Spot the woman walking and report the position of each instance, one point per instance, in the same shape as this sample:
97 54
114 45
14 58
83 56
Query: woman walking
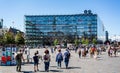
66 58
46 60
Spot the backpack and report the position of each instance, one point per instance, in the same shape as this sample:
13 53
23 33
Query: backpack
46 57
18 56
60 57
67 55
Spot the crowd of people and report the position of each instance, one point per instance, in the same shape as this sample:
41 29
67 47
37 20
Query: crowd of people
82 51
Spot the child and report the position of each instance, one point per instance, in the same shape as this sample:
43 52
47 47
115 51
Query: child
36 59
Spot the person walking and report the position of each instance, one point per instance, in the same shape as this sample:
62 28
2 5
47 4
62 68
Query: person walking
79 52
66 58
28 54
19 58
36 60
59 58
114 50
95 53
46 58
52 50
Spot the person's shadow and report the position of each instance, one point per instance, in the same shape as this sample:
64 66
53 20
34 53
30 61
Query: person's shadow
53 71
72 68
27 71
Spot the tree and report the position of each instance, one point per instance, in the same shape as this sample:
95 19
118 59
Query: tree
76 42
83 41
1 40
86 41
19 39
55 42
8 38
94 41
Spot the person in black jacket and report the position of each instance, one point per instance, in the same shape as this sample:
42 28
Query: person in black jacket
36 60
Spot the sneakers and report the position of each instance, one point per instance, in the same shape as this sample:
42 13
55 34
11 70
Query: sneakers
36 70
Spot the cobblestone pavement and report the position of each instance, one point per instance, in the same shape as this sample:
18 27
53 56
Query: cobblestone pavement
103 64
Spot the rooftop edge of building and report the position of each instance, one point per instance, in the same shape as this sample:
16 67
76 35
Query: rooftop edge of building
86 12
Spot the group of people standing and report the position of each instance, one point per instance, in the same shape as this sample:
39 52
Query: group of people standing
112 51
47 58
93 51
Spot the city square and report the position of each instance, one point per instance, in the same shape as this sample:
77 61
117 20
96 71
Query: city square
59 36
103 64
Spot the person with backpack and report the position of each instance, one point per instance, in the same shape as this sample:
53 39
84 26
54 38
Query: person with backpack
66 58
59 58
46 58
19 58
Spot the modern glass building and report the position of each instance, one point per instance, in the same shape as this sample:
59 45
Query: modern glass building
1 23
44 29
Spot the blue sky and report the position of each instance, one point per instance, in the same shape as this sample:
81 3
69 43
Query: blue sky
14 11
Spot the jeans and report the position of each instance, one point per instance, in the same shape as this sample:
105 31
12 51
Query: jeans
47 66
66 63
59 64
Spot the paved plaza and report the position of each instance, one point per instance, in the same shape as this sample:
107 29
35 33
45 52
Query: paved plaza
103 64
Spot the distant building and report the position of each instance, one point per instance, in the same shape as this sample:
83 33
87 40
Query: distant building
14 30
1 23
106 35
44 29
107 40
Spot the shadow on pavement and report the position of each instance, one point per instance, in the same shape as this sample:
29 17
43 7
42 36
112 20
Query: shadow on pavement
27 71
56 70
115 56
72 68
53 71
53 66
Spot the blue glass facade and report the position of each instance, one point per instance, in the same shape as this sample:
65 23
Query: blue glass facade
45 28
1 23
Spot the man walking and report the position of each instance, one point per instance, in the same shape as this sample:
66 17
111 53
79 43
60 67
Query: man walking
19 58
66 58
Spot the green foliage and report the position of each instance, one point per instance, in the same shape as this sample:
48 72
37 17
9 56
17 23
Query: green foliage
19 39
55 42
8 38
85 41
1 40
76 42
94 41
